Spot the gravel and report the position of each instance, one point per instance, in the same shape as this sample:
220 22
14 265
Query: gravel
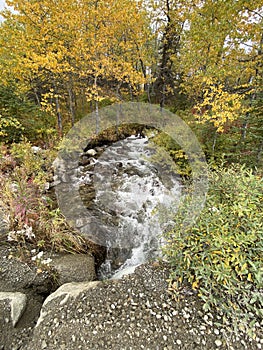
136 312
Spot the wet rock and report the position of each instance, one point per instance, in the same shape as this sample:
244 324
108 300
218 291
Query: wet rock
87 159
84 161
87 195
17 304
59 165
91 152
73 267
100 149
82 221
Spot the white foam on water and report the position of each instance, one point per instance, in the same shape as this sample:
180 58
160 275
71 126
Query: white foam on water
129 186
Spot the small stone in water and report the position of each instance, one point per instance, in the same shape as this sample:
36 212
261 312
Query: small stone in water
91 152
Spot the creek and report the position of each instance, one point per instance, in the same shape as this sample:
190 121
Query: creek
128 190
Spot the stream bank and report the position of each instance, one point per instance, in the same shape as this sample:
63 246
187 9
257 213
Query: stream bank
134 312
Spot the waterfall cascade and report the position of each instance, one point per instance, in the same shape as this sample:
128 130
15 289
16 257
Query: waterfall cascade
131 193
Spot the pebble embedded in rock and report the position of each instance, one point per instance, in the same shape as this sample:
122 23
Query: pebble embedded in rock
43 344
218 342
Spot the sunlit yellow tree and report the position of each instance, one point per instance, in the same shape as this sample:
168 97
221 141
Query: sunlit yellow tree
218 106
60 50
209 58
223 46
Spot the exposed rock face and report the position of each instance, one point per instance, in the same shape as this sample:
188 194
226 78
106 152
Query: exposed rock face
22 292
12 307
16 302
67 291
16 275
24 288
135 312
74 268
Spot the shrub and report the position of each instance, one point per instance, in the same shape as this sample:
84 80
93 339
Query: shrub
21 117
221 255
33 216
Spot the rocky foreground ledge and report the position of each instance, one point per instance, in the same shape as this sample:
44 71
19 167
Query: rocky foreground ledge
135 312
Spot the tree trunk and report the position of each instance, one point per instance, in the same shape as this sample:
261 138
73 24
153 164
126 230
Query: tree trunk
58 111
37 97
165 76
97 117
59 116
71 105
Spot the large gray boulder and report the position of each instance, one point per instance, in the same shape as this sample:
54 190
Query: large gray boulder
62 296
15 303
73 268
18 276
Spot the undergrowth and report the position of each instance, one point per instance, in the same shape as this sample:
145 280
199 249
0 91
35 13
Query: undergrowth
33 216
220 256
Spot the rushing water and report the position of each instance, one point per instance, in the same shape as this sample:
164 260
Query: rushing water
131 189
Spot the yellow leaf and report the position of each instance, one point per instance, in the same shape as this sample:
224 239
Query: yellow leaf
249 277
195 285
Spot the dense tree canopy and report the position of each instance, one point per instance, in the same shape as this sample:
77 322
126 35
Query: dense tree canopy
70 56
59 50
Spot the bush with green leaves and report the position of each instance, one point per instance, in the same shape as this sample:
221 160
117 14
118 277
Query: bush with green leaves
220 256
21 117
33 215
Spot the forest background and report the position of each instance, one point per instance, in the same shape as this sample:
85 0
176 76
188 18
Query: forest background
62 59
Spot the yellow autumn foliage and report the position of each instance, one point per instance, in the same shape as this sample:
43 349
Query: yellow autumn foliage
219 106
69 46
